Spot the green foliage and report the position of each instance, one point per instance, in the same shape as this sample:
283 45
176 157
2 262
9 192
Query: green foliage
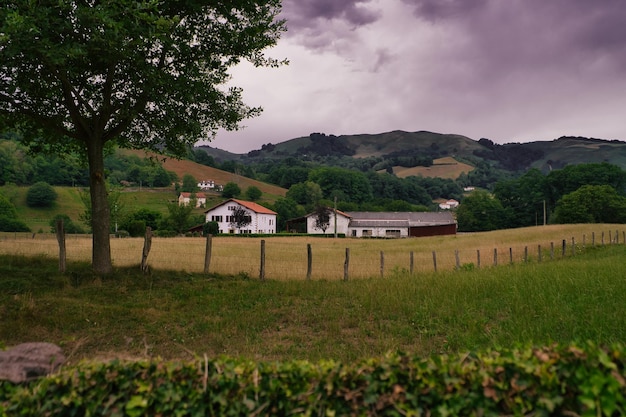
344 184
41 194
231 190
569 179
145 216
136 228
554 380
178 219
306 193
591 204
11 224
211 228
523 198
68 225
480 211
286 209
190 184
7 209
253 193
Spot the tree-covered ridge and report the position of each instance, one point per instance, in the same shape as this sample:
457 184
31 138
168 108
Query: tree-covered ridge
19 166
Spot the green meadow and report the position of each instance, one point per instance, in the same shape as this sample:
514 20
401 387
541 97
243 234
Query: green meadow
182 315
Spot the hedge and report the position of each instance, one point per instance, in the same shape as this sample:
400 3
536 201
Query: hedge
556 380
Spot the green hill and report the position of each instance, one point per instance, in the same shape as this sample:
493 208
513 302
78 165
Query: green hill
385 149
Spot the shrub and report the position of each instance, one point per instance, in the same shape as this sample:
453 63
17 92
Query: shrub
41 194
231 190
68 225
211 228
8 224
136 228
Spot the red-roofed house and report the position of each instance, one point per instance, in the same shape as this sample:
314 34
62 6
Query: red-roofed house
262 219
185 198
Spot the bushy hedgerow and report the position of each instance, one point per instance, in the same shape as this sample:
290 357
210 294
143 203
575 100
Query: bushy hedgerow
557 380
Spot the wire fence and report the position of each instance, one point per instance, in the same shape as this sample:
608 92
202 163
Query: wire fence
313 258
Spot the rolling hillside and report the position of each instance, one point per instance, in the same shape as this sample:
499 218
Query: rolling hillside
384 148
203 172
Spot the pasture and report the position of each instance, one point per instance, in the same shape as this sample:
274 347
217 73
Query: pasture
286 257
176 313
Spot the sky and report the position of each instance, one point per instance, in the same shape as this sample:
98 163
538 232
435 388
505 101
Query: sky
506 70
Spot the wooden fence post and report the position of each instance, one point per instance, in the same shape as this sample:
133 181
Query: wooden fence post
309 261
457 259
538 253
563 244
382 264
147 244
478 258
411 262
60 229
435 260
525 254
262 268
602 238
207 253
495 256
593 239
511 256
346 265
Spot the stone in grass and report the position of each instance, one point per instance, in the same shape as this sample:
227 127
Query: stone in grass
29 361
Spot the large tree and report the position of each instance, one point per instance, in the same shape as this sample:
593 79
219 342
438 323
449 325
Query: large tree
84 75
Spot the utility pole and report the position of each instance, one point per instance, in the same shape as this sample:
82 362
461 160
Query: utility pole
335 212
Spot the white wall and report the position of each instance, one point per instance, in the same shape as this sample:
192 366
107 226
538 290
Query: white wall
342 225
261 222
377 232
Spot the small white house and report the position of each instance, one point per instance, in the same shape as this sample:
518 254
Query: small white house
209 185
450 204
262 219
185 198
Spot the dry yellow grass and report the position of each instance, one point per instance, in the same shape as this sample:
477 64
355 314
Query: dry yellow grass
286 257
447 167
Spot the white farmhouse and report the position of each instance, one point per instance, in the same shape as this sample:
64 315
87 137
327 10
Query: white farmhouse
262 219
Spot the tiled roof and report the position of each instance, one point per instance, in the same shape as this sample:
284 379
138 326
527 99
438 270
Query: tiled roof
188 195
257 208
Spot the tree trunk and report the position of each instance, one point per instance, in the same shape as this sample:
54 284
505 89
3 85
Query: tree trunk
100 211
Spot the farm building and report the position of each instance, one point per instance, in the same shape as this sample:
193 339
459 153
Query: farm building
401 224
307 224
260 219
185 198
383 224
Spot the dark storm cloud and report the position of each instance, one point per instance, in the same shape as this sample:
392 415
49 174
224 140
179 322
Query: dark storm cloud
534 32
311 13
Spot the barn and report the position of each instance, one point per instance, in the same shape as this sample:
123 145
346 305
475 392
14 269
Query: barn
382 224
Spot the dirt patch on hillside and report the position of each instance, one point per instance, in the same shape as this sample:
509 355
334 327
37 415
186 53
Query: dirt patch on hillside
447 167
203 172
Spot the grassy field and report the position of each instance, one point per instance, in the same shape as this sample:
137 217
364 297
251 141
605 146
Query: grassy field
286 257
447 167
179 315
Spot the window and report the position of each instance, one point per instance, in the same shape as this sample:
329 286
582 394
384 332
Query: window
367 232
232 208
354 233
218 219
392 233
